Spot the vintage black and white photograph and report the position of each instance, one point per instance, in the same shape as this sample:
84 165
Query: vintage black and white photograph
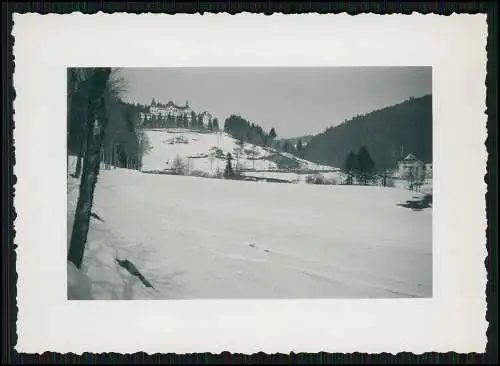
249 182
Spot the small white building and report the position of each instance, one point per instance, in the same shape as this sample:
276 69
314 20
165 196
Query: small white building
411 168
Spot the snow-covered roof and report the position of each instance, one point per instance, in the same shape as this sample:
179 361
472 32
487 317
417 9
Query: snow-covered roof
411 158
169 104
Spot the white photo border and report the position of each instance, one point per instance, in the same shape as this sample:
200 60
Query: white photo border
453 320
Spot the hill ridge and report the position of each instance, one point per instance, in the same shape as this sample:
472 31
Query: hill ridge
388 133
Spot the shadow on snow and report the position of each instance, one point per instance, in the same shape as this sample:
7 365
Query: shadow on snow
419 204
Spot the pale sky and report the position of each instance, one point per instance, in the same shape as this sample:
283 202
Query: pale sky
294 100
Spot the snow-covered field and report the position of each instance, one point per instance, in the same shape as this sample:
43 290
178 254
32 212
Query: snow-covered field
206 238
200 150
425 188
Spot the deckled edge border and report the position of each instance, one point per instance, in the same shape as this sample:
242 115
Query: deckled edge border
9 274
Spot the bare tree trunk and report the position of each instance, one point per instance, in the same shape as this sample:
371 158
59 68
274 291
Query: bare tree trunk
78 168
108 160
89 178
91 161
102 164
115 154
139 151
105 159
83 147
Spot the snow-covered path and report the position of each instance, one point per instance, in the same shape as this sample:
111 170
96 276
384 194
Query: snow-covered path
206 238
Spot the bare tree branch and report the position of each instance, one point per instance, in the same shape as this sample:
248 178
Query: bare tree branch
117 84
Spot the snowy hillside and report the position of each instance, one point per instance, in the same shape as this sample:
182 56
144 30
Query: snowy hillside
206 238
206 152
307 164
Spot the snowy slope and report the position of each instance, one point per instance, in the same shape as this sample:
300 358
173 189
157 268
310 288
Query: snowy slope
206 151
200 149
207 238
305 164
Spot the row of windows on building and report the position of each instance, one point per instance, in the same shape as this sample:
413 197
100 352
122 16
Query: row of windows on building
172 110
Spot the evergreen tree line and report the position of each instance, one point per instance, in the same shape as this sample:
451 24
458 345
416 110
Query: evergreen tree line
359 165
181 120
124 142
389 134
241 129
288 146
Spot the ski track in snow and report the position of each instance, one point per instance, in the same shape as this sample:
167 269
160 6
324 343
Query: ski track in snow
204 238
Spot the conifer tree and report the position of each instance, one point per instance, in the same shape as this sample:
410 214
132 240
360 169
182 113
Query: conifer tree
299 145
194 123
271 136
350 166
365 164
228 171
178 120
170 121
